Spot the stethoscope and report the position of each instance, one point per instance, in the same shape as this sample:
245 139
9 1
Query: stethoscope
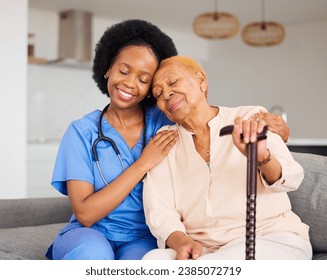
101 137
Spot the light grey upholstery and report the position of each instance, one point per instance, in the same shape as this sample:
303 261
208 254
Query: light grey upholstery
309 201
28 226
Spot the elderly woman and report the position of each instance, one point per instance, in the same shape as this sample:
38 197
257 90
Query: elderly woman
195 199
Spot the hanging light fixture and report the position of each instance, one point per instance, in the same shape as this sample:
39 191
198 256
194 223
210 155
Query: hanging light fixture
263 33
216 25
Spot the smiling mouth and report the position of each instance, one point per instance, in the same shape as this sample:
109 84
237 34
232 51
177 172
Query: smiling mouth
125 95
173 106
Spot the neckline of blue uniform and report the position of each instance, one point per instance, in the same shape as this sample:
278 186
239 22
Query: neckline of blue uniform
109 128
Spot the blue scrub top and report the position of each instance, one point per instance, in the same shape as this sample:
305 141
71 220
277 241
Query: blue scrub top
75 161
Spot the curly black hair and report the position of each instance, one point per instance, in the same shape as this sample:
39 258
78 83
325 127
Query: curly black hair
129 32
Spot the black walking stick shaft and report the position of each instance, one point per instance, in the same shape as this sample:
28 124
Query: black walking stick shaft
251 195
251 191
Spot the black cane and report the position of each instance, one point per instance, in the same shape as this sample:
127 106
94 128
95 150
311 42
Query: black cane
251 194
251 191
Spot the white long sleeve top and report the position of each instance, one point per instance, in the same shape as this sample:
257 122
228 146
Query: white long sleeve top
208 202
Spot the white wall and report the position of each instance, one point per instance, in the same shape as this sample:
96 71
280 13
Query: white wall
13 49
44 25
292 75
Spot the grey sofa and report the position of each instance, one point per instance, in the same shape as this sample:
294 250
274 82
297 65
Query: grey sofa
27 226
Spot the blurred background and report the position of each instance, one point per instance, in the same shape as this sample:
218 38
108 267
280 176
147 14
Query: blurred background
48 46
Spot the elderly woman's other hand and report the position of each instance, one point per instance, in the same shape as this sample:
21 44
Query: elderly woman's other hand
186 248
275 124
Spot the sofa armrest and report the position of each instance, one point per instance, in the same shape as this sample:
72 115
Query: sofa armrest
309 201
34 211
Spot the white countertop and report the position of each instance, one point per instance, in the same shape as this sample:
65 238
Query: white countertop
307 142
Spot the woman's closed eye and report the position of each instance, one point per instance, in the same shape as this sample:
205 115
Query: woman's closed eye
173 82
157 92
123 71
144 79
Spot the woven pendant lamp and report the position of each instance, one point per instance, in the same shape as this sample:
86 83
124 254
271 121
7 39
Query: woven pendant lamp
263 33
216 25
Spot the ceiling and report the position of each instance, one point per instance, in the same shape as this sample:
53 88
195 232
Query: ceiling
179 14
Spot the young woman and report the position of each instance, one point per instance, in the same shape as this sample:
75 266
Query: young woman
104 155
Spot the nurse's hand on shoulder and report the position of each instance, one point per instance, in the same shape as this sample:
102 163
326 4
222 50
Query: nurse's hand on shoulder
275 124
158 147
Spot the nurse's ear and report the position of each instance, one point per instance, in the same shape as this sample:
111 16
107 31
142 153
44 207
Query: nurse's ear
106 76
202 81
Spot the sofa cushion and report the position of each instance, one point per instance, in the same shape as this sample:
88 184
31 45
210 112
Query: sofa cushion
31 242
320 256
34 211
309 201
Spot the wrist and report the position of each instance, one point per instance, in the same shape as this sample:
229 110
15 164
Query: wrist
265 159
176 239
141 168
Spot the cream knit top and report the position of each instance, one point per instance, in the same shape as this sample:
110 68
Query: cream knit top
208 202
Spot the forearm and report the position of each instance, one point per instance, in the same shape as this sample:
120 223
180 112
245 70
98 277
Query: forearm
270 167
90 207
291 172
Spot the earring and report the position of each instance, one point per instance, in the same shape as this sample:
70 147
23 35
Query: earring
106 76
202 89
148 95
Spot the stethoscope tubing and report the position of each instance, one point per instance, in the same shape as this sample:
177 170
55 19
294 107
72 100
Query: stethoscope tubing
101 137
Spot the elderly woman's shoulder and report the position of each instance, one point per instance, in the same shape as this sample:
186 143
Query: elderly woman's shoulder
168 127
243 111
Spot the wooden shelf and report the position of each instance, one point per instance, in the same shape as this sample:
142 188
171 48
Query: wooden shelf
36 60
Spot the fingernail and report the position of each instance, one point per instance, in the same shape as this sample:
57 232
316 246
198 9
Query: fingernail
195 256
